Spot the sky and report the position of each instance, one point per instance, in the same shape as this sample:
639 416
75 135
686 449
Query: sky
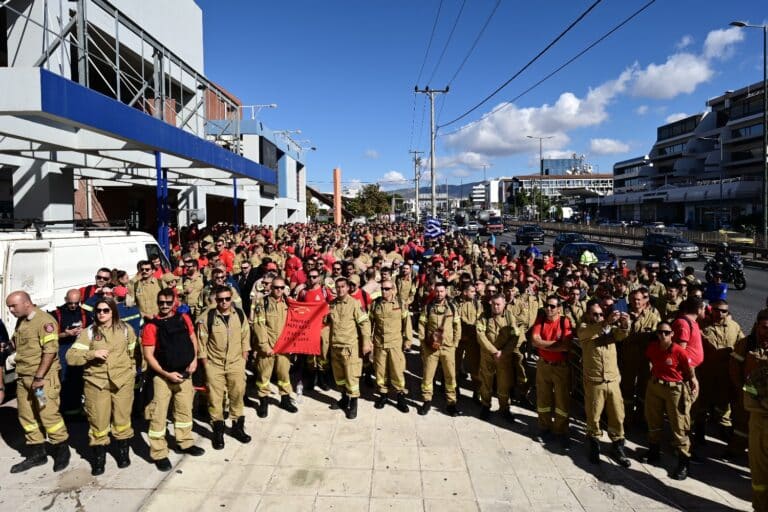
344 72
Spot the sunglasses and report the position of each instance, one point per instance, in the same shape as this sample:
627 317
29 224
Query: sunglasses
276 287
598 314
103 310
73 303
147 269
386 289
314 276
164 302
664 333
103 278
223 299
551 306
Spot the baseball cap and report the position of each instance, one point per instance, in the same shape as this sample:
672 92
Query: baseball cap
271 266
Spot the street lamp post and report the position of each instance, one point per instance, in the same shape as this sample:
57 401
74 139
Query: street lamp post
764 28
541 172
719 140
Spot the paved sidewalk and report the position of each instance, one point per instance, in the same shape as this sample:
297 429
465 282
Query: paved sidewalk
317 460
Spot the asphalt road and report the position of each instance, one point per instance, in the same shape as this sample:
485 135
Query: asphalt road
744 304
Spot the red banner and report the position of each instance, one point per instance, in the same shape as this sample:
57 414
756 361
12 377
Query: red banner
301 334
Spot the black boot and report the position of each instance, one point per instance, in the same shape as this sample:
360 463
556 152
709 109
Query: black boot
218 435
593 450
485 412
352 411
452 409
380 402
123 454
402 405
238 431
263 408
565 442
699 434
61 457
508 415
323 380
653 455
619 455
425 407
99 460
681 471
343 402
36 457
287 404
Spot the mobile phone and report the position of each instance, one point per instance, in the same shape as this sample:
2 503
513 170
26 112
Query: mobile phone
621 307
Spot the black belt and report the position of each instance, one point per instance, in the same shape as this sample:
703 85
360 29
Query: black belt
668 383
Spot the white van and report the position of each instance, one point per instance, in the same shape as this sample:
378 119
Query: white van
47 263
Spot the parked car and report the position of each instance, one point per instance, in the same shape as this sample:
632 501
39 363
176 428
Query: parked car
472 228
529 233
574 251
564 239
656 245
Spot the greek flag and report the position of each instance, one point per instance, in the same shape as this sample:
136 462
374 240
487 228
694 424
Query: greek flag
432 228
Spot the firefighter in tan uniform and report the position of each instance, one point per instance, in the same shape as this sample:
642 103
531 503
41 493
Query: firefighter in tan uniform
389 318
107 350
469 309
754 366
719 335
350 339
498 338
145 290
270 315
192 285
406 291
439 334
225 342
37 348
597 336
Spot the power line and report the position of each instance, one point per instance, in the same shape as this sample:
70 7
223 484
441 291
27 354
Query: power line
474 44
431 37
421 125
527 65
558 69
413 121
447 42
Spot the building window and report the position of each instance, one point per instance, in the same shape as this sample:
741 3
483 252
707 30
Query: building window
747 131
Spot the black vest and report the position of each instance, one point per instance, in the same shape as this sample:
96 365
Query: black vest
174 350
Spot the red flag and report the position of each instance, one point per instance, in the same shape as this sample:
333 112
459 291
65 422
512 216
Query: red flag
301 334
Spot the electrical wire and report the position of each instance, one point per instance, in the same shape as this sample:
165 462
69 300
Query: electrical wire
448 41
557 70
526 66
413 123
431 38
477 40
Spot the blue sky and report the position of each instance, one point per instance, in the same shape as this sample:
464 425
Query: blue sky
344 71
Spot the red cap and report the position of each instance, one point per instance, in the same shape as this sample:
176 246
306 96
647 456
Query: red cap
271 266
438 259
120 291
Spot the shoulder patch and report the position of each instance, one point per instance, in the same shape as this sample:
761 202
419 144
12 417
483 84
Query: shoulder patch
49 328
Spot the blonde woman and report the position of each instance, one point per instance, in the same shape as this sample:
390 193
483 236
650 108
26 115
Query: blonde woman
106 351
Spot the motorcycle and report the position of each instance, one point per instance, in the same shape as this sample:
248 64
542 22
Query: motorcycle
732 269
670 271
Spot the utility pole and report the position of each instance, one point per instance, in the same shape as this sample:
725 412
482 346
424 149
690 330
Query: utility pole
417 178
431 93
541 173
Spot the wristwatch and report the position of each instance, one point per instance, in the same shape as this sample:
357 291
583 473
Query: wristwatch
38 379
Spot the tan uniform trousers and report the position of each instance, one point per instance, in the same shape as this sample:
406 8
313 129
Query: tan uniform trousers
389 367
604 396
229 380
322 361
553 395
740 419
468 356
266 366
109 404
37 422
446 358
182 395
347 367
661 398
758 460
504 371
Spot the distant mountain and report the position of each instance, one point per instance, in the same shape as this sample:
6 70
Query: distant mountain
457 191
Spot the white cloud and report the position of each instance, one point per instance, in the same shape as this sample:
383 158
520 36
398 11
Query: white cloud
681 73
671 118
719 43
460 173
607 146
686 41
393 179
465 158
371 154
641 110
505 131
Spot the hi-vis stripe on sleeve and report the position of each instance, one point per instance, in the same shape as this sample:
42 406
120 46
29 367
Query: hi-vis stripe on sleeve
80 346
48 338
362 318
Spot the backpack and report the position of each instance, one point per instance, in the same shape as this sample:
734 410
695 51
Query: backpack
240 315
174 350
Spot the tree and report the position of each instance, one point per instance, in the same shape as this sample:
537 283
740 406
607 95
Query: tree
369 202
311 209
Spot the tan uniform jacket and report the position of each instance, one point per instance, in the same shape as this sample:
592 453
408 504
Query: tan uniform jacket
227 341
120 366
35 335
496 333
469 313
145 293
429 323
268 322
193 287
641 327
598 353
575 311
526 309
745 360
406 290
718 340
387 319
668 307
347 321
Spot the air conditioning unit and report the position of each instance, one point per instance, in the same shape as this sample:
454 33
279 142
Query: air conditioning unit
196 215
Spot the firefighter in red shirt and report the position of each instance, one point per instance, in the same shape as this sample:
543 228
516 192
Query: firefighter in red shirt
665 393
551 335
